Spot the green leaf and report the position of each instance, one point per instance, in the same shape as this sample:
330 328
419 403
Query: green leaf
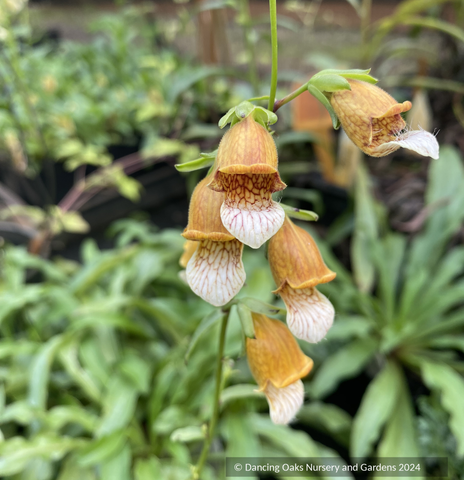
101 449
118 467
188 434
17 452
300 214
238 392
399 438
347 327
199 163
436 24
365 232
147 469
355 74
258 306
208 322
450 385
330 83
241 440
246 320
118 406
137 371
323 99
292 442
40 371
376 407
345 363
327 418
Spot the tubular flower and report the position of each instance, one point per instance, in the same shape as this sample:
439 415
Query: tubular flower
297 268
372 119
277 364
215 270
247 173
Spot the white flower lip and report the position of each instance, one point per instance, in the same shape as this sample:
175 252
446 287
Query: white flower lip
253 224
420 141
215 272
285 402
309 313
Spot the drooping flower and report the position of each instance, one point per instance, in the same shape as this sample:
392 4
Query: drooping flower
247 174
297 268
215 270
278 365
372 119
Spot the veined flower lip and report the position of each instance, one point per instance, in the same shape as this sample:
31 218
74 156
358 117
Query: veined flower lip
291 378
308 284
256 169
196 235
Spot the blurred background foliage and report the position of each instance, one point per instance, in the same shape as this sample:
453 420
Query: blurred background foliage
106 356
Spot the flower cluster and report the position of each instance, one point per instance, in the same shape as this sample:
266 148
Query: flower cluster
233 206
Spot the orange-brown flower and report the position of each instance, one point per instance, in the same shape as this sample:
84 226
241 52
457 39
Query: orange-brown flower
278 365
246 171
215 270
372 119
297 268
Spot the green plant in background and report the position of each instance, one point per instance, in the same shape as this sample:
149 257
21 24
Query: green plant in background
70 102
409 331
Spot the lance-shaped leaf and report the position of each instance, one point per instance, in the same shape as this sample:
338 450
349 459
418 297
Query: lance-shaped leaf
300 214
355 74
205 160
330 83
203 327
315 92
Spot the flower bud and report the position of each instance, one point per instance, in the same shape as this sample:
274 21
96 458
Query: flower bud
277 364
215 270
297 268
247 174
372 119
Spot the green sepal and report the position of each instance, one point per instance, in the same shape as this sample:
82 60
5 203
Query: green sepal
264 116
205 160
264 308
315 92
246 320
299 214
243 110
330 83
355 74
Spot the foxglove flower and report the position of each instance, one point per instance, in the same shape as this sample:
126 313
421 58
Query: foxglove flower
372 119
278 365
215 270
297 268
247 173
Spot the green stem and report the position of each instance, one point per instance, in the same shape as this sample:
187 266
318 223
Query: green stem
290 96
273 17
217 392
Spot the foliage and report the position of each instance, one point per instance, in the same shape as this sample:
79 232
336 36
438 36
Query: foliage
410 329
98 377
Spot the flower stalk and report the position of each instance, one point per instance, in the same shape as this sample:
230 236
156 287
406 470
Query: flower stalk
273 17
217 393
